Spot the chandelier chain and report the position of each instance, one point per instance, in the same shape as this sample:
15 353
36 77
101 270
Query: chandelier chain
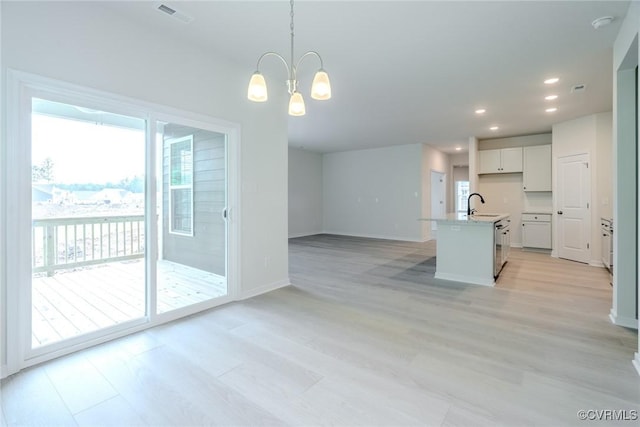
293 67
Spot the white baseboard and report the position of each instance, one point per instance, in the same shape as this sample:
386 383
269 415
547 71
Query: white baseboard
378 236
596 263
312 233
538 250
636 362
627 322
464 279
265 288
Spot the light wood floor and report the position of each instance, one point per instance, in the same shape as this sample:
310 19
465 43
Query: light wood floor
365 336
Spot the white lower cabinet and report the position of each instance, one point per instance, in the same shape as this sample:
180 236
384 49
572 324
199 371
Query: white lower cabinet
536 230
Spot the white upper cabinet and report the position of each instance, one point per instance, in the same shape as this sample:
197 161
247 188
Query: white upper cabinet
505 160
537 168
511 159
489 161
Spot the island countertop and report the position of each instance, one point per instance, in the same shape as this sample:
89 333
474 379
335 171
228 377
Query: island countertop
462 218
470 248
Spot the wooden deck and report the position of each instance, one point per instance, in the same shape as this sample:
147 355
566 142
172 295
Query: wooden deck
77 301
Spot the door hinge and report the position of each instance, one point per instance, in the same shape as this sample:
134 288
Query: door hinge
587 246
587 205
587 164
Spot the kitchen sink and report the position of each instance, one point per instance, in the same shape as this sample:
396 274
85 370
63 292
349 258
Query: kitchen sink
486 215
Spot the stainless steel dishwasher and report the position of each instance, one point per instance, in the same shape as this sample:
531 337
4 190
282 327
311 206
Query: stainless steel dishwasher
607 245
502 245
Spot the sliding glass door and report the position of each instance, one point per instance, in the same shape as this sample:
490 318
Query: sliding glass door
88 222
191 177
120 217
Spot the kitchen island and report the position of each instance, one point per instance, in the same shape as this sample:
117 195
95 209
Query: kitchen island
471 249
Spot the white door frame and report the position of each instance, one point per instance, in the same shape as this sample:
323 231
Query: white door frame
443 190
17 220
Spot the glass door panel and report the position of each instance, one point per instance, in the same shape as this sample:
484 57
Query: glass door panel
88 224
191 172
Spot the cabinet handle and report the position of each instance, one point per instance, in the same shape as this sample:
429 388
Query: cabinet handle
559 212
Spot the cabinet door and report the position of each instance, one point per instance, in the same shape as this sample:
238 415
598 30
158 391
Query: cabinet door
489 161
537 168
511 160
536 235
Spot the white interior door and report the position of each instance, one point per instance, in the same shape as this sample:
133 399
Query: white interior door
573 207
438 197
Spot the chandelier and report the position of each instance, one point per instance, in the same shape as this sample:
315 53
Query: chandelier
320 88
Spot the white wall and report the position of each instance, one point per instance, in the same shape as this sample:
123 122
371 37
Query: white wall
433 160
604 165
85 44
626 51
374 193
504 192
305 193
459 159
591 135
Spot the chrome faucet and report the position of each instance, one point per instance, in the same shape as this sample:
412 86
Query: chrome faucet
469 210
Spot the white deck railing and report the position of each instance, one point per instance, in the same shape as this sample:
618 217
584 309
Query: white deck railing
73 242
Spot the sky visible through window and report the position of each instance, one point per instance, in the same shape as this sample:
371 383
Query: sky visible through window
87 152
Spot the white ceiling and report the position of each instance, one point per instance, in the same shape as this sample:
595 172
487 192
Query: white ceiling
405 72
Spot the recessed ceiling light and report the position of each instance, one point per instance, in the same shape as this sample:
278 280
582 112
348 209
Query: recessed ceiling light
551 110
551 81
481 111
551 97
458 148
494 128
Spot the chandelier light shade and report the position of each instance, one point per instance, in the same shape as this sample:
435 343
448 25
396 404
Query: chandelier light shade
296 105
257 91
320 88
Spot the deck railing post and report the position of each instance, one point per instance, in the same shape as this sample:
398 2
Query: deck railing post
50 249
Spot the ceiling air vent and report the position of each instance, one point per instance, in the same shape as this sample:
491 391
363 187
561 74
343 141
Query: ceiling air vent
174 13
578 88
